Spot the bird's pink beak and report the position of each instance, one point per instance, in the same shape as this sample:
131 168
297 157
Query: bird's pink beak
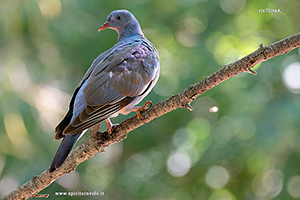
104 26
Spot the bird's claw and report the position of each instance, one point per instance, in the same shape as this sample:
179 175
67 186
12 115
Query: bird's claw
109 125
138 110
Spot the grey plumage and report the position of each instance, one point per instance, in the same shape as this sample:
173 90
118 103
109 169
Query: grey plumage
117 80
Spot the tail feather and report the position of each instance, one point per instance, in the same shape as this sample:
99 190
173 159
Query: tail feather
63 151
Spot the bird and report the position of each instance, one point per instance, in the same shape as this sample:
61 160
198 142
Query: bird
117 80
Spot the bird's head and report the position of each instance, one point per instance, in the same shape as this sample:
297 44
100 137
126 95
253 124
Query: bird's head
123 22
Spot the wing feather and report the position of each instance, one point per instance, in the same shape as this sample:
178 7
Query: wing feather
124 72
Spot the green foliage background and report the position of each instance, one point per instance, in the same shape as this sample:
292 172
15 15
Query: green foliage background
248 149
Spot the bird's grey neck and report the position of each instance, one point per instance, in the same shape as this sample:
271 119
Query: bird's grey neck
130 31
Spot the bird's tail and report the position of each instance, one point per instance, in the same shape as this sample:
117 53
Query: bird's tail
63 151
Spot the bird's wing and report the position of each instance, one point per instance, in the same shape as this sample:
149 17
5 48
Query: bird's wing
68 117
115 81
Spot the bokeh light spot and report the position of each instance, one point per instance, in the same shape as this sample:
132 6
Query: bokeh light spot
213 109
188 30
217 177
186 38
269 185
273 182
69 181
232 6
178 164
194 25
293 186
291 77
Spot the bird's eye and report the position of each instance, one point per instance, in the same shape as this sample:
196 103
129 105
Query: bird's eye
118 17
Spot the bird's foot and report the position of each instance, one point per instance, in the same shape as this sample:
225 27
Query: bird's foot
138 110
109 125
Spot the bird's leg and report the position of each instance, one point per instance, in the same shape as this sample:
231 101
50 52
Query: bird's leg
140 109
109 125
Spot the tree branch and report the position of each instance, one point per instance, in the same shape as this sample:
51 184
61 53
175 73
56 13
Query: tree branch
97 142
